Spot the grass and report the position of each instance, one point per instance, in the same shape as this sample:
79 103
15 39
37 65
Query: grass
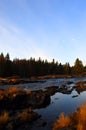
62 122
82 118
76 121
2 94
4 119
10 120
12 90
25 116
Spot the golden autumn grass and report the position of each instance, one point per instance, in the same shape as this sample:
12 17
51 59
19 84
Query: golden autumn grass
13 91
76 121
82 118
3 119
22 116
62 122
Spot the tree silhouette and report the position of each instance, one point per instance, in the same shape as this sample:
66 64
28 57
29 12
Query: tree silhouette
78 67
67 68
32 67
2 65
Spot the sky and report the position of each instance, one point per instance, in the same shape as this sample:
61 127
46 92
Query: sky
50 29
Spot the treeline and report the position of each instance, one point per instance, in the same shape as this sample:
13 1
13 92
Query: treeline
32 67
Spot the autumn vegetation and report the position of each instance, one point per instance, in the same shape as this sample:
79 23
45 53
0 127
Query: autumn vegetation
32 67
4 119
20 103
76 121
10 120
17 107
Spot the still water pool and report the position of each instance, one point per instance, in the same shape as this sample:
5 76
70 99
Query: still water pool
60 102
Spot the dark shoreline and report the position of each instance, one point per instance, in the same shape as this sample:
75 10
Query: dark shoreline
13 80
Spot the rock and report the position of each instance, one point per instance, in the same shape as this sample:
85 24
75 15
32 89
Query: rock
41 123
38 99
51 90
80 86
74 96
65 90
69 82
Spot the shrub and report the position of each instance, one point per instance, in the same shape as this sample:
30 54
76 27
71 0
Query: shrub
76 121
27 115
62 122
82 118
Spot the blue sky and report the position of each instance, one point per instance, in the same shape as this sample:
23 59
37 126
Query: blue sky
44 28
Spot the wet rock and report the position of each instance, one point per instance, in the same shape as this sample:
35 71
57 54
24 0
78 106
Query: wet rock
65 90
69 82
38 99
51 90
41 123
80 86
56 98
62 89
74 96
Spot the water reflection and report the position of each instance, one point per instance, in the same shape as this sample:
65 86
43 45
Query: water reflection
62 103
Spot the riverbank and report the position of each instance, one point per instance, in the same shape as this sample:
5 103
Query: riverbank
75 121
17 103
18 80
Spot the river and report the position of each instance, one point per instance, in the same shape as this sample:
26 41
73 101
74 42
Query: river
60 102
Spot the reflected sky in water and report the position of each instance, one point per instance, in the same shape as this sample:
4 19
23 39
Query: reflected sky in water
66 103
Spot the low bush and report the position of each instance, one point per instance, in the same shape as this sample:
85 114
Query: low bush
62 122
76 121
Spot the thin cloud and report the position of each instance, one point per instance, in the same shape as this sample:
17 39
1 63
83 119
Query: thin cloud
73 39
14 41
46 29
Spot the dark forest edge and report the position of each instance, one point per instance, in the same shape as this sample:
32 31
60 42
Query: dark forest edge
37 68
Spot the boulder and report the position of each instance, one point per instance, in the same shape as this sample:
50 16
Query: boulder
51 90
80 86
38 99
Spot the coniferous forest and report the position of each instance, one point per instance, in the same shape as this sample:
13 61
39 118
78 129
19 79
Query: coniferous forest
32 67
